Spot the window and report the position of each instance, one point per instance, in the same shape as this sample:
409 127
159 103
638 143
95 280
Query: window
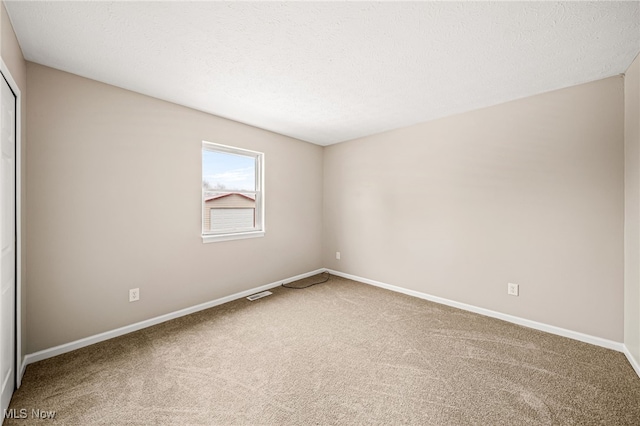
232 193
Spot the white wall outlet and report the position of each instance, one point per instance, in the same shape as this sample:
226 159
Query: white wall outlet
134 294
512 289
338 255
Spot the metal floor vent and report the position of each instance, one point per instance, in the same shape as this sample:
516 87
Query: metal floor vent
259 295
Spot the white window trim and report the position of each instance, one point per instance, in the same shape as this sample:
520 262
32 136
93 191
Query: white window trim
260 197
214 238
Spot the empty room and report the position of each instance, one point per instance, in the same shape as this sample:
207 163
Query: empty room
316 213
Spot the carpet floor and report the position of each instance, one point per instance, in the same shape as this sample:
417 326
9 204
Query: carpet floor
341 352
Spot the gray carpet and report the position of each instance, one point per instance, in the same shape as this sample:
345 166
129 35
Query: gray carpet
336 353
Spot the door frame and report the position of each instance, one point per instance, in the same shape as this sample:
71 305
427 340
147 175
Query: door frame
19 365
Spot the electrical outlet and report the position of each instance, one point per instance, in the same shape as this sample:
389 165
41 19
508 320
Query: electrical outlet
338 255
512 289
134 294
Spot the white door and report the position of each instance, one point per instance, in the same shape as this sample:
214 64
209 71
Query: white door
232 219
7 243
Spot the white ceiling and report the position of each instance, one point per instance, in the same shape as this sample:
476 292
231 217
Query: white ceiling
333 71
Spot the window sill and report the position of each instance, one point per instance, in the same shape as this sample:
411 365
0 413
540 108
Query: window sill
229 237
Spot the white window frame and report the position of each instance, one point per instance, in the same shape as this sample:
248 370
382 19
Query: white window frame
209 236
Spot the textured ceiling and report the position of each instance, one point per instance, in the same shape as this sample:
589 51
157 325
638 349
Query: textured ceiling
334 71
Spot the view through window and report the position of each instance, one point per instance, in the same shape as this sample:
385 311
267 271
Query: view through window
231 193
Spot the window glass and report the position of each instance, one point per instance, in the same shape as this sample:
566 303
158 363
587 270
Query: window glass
232 193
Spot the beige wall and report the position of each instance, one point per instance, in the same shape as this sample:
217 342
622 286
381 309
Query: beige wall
114 202
12 57
529 192
632 210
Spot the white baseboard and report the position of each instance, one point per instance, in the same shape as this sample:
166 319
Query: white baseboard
21 370
609 344
634 362
68 347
